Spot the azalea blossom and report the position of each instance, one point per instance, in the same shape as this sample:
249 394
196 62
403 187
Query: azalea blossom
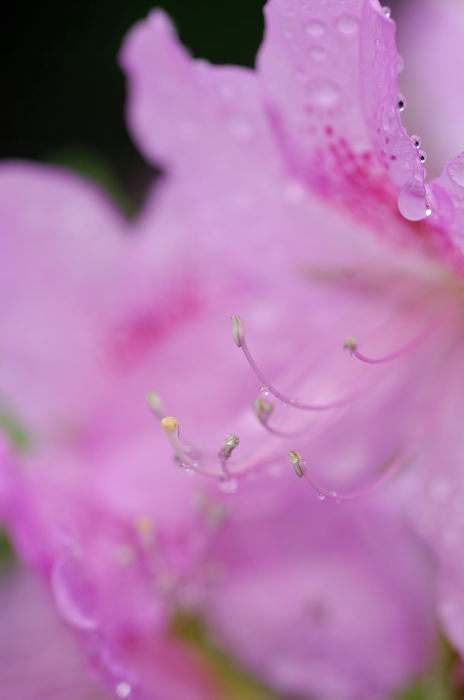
294 202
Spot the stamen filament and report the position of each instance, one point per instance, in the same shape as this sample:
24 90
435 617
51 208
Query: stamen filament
392 466
351 345
170 426
263 410
339 403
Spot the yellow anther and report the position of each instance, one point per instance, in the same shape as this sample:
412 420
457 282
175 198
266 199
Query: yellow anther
169 423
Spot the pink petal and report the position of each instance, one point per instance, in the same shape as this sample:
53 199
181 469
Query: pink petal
321 599
329 78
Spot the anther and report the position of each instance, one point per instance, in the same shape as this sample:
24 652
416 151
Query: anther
238 331
297 462
169 423
350 344
263 409
230 443
154 403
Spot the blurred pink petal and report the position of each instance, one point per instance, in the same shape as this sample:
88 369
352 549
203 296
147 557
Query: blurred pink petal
38 656
322 600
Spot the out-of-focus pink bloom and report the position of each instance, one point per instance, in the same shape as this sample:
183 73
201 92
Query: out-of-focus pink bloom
40 659
280 204
320 600
38 656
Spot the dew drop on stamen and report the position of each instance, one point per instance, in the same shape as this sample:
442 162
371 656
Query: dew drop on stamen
321 496
416 140
264 390
386 11
401 103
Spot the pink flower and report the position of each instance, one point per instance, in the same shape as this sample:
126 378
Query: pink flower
40 659
277 180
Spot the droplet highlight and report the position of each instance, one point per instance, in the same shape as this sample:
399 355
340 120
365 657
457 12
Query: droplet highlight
412 201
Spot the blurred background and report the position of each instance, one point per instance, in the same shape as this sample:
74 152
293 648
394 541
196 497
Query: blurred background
64 93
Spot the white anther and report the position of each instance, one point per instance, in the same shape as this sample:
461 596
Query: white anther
297 462
230 443
238 331
154 403
350 344
263 409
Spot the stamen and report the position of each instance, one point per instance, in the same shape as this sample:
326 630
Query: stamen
155 404
170 426
230 443
263 410
238 332
391 467
297 462
240 341
352 345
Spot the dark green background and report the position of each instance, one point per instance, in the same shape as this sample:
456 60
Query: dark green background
63 91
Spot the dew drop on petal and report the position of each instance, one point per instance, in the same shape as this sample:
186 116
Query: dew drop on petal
315 28
422 156
412 201
323 93
456 172
318 54
123 690
347 24
228 485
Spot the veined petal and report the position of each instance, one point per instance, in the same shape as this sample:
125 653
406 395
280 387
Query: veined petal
329 80
204 119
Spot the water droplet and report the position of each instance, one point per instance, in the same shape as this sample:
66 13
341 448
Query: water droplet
123 690
264 390
321 496
318 54
456 172
347 24
401 103
416 140
323 93
412 202
315 28
422 156
228 485
386 11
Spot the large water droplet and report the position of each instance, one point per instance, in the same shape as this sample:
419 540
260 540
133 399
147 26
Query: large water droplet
412 201
456 172
323 93
315 28
347 24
